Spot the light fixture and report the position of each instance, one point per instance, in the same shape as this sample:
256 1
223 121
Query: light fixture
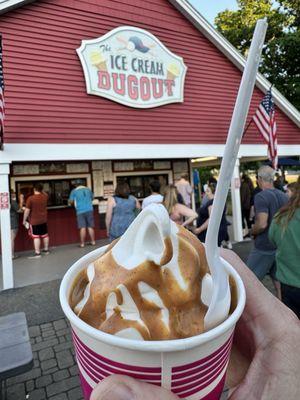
203 159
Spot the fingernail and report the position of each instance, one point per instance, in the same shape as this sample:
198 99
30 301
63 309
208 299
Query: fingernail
119 391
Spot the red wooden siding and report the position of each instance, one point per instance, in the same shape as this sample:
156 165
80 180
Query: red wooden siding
46 99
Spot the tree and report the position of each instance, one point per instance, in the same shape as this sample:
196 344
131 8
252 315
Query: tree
281 56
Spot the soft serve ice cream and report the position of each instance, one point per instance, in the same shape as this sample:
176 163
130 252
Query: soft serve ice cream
147 285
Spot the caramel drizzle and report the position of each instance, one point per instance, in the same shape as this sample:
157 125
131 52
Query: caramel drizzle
186 311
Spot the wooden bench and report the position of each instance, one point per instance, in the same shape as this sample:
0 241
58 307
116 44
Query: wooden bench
15 348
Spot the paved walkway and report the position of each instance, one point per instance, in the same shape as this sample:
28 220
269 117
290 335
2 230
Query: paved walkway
55 374
47 268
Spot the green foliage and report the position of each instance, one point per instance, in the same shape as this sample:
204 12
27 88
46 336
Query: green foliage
281 55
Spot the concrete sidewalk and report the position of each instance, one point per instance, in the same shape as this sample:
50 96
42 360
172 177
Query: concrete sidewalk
53 266
55 374
47 268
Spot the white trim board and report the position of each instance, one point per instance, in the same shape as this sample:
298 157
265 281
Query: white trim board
7 5
102 151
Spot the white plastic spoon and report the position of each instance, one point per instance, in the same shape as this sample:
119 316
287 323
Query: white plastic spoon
220 299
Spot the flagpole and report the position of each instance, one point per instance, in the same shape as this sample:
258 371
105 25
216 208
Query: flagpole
245 130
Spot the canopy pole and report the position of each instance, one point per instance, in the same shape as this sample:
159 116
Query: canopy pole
7 266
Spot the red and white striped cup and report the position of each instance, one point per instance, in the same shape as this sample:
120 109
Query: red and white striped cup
193 368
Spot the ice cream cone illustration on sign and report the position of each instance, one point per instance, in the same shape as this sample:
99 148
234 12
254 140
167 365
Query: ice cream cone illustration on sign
173 71
98 60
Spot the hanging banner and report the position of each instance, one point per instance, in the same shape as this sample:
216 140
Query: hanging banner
131 66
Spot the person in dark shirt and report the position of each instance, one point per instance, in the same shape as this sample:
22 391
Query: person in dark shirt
14 221
261 259
256 190
279 182
36 212
246 192
204 215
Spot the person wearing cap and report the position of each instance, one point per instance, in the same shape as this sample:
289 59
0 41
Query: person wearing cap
82 199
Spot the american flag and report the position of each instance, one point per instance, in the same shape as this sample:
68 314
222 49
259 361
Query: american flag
2 104
264 119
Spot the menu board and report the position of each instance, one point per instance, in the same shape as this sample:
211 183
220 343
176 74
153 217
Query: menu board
77 167
107 171
98 183
97 165
123 166
143 165
52 168
180 168
26 169
162 164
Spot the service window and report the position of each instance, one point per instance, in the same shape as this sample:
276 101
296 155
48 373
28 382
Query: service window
57 190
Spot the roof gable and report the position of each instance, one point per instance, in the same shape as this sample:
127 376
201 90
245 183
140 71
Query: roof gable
225 47
8 5
234 55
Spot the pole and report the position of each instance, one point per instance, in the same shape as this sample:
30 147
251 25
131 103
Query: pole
245 130
7 267
236 203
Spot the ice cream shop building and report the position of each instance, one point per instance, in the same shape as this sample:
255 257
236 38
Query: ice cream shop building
111 90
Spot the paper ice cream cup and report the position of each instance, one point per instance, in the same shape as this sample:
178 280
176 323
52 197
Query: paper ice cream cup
192 368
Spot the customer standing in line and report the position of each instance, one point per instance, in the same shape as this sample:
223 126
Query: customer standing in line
204 216
14 221
284 233
246 192
179 213
36 212
256 190
185 189
291 189
155 196
121 211
82 198
211 180
261 259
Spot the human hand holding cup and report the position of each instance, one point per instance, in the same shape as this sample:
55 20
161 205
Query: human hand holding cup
264 358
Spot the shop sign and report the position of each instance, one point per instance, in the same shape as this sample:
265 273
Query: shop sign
131 66
4 203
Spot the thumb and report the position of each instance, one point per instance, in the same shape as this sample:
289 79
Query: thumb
119 387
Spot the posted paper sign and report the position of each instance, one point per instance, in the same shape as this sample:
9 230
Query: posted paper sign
132 67
4 201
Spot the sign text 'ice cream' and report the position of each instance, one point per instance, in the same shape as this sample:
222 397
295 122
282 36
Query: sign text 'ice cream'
132 67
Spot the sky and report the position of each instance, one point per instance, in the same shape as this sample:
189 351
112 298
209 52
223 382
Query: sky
209 9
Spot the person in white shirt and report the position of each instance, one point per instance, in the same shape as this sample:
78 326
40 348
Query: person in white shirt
155 196
185 189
